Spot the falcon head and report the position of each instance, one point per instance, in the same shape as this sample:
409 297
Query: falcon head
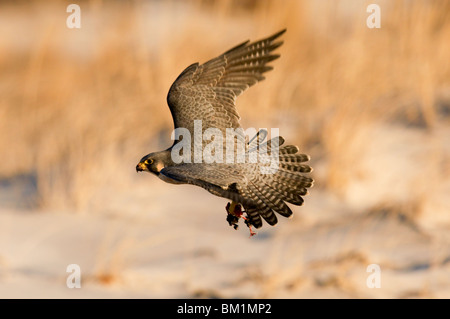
152 163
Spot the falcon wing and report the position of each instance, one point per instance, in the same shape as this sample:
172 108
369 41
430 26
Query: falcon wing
219 179
208 92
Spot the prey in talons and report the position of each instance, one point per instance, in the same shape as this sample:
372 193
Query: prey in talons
234 212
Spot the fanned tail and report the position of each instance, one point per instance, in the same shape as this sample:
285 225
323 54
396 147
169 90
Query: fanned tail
271 192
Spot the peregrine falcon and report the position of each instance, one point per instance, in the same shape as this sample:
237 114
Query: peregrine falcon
206 95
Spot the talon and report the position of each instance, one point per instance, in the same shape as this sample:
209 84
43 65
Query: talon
247 222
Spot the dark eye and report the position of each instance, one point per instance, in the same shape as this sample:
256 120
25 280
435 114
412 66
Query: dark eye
149 161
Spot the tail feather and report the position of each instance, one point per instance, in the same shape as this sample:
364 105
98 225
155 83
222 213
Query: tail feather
253 214
270 193
252 210
295 168
295 181
257 140
294 158
289 149
271 199
283 192
266 147
265 210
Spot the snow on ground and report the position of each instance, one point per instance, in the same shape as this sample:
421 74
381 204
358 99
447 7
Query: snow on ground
172 241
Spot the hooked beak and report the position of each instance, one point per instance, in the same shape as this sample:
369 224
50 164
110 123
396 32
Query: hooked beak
140 167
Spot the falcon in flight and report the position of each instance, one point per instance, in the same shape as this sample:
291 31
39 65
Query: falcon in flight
206 94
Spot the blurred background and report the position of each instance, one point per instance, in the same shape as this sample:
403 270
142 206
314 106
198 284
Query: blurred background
80 107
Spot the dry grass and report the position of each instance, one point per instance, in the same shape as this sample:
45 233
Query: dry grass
79 107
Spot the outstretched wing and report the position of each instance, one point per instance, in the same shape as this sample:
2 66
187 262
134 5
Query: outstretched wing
208 92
